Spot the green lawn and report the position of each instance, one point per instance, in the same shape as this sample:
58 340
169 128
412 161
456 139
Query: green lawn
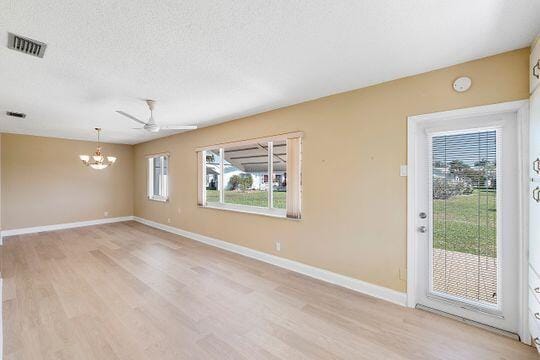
457 223
252 198
459 226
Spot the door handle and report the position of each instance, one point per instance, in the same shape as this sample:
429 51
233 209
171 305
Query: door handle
536 166
536 70
536 194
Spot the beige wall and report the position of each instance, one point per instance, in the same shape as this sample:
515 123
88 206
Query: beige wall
43 182
354 201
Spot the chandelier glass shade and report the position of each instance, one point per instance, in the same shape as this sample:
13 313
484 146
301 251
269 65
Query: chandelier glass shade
97 161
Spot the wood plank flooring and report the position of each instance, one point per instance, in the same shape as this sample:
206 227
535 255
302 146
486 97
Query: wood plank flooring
127 291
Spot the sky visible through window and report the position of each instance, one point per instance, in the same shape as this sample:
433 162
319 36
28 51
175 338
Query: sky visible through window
469 148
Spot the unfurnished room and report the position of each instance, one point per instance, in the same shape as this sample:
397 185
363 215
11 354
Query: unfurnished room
251 179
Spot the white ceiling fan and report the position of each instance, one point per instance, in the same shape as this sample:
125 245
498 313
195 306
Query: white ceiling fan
151 124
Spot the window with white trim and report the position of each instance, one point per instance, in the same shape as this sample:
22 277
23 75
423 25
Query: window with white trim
158 177
258 176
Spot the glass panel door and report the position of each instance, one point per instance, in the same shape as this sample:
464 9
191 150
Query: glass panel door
466 178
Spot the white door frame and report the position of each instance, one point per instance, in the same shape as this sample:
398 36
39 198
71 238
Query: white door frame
521 108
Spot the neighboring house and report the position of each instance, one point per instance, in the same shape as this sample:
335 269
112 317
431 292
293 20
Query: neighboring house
260 179
488 176
443 173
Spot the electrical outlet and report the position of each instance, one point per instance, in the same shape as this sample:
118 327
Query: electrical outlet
403 170
278 246
403 274
106 213
169 220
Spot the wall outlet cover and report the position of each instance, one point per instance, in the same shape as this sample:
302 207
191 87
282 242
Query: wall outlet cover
403 170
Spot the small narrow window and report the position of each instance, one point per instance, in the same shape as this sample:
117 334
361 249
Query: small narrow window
158 177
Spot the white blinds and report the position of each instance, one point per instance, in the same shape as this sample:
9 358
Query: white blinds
150 177
201 179
464 192
294 177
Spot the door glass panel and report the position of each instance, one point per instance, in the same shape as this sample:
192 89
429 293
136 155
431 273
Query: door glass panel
464 203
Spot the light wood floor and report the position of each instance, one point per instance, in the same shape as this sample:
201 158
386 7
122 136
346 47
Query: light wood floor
127 291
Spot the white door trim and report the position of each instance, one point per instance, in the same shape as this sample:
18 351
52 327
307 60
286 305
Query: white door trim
521 108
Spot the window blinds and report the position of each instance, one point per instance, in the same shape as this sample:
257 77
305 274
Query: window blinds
201 201
294 177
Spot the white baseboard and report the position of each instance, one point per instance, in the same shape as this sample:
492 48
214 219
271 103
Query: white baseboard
37 229
360 286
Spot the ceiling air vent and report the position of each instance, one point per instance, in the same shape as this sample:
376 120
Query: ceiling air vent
16 114
26 45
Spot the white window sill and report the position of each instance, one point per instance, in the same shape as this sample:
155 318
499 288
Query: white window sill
276 213
158 198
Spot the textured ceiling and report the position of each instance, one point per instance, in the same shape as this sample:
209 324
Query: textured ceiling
212 61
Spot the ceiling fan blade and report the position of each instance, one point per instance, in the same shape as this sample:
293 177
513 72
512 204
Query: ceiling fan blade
138 128
178 127
131 117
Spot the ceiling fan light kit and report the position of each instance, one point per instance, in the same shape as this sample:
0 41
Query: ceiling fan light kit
98 160
151 125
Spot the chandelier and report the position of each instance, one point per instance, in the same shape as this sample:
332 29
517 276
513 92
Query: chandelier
97 161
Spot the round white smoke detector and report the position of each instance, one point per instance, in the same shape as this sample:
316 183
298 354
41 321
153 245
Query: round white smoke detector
462 84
